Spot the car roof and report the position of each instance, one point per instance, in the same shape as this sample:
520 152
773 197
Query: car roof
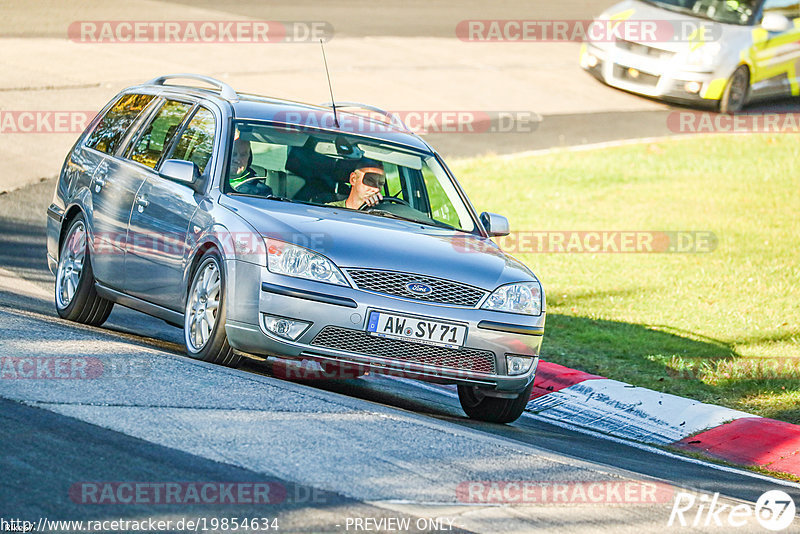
263 108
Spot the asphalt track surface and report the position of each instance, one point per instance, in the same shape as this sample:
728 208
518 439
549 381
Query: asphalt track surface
58 435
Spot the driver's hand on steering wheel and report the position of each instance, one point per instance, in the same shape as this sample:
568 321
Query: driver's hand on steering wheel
372 200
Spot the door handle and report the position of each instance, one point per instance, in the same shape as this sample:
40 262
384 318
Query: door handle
142 202
99 183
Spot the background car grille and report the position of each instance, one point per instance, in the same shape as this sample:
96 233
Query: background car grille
644 50
642 77
394 283
344 339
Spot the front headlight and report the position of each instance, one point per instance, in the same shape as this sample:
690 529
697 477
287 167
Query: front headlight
521 297
292 260
704 56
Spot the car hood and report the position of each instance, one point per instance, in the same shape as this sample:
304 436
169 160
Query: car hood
359 240
636 10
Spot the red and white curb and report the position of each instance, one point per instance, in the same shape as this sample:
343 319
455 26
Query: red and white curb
640 414
601 406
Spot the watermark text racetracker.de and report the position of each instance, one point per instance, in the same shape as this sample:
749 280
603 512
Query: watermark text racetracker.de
699 122
431 121
73 368
189 493
199 31
44 121
599 492
596 242
575 30
519 242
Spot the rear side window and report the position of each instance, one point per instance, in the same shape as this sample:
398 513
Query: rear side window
197 142
159 133
110 131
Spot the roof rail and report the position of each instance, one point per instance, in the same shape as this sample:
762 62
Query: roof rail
392 117
226 91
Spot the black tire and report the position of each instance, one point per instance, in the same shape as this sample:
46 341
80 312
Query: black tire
215 348
736 91
492 409
84 306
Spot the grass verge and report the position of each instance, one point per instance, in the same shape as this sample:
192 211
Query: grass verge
721 327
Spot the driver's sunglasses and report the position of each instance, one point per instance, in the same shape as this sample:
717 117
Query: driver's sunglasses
374 179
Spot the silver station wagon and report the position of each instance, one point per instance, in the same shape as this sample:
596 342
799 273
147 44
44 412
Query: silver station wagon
327 234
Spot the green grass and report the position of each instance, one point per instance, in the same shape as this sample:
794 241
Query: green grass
721 327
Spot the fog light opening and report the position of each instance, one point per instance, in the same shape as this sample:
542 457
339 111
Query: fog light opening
590 60
693 87
518 365
284 327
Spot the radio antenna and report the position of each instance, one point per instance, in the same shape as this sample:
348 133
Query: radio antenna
330 86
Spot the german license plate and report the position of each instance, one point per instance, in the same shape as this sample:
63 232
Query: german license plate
416 329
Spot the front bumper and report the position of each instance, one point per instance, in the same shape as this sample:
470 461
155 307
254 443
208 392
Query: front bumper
55 217
338 317
665 79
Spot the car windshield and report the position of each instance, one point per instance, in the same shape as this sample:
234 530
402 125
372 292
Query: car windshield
335 170
727 11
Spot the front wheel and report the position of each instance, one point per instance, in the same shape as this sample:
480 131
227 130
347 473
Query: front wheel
479 406
204 318
735 96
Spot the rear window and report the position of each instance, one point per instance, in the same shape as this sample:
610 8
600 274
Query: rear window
110 131
159 133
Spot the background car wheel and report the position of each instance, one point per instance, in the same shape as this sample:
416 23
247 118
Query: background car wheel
75 294
204 318
491 409
735 95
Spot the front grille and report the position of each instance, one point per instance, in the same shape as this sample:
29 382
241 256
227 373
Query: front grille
644 50
359 342
643 78
394 283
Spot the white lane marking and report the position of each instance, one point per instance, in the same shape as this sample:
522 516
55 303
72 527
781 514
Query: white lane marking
13 283
635 445
631 412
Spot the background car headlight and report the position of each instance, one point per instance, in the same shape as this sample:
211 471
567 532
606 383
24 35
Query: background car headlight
521 297
704 56
292 260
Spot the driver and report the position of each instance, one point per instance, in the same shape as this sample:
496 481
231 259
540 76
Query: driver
243 179
366 183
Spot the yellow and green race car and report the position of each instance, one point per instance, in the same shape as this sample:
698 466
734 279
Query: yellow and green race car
720 53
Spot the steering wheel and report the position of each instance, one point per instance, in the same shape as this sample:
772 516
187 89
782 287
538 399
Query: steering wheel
247 180
390 200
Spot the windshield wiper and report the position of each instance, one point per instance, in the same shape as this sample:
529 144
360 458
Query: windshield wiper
276 197
392 215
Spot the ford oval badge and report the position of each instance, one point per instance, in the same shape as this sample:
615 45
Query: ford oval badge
417 288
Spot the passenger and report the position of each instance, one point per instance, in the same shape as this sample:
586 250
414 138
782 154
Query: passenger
366 183
243 179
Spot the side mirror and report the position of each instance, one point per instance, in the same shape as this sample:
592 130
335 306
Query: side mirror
495 224
178 170
776 23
